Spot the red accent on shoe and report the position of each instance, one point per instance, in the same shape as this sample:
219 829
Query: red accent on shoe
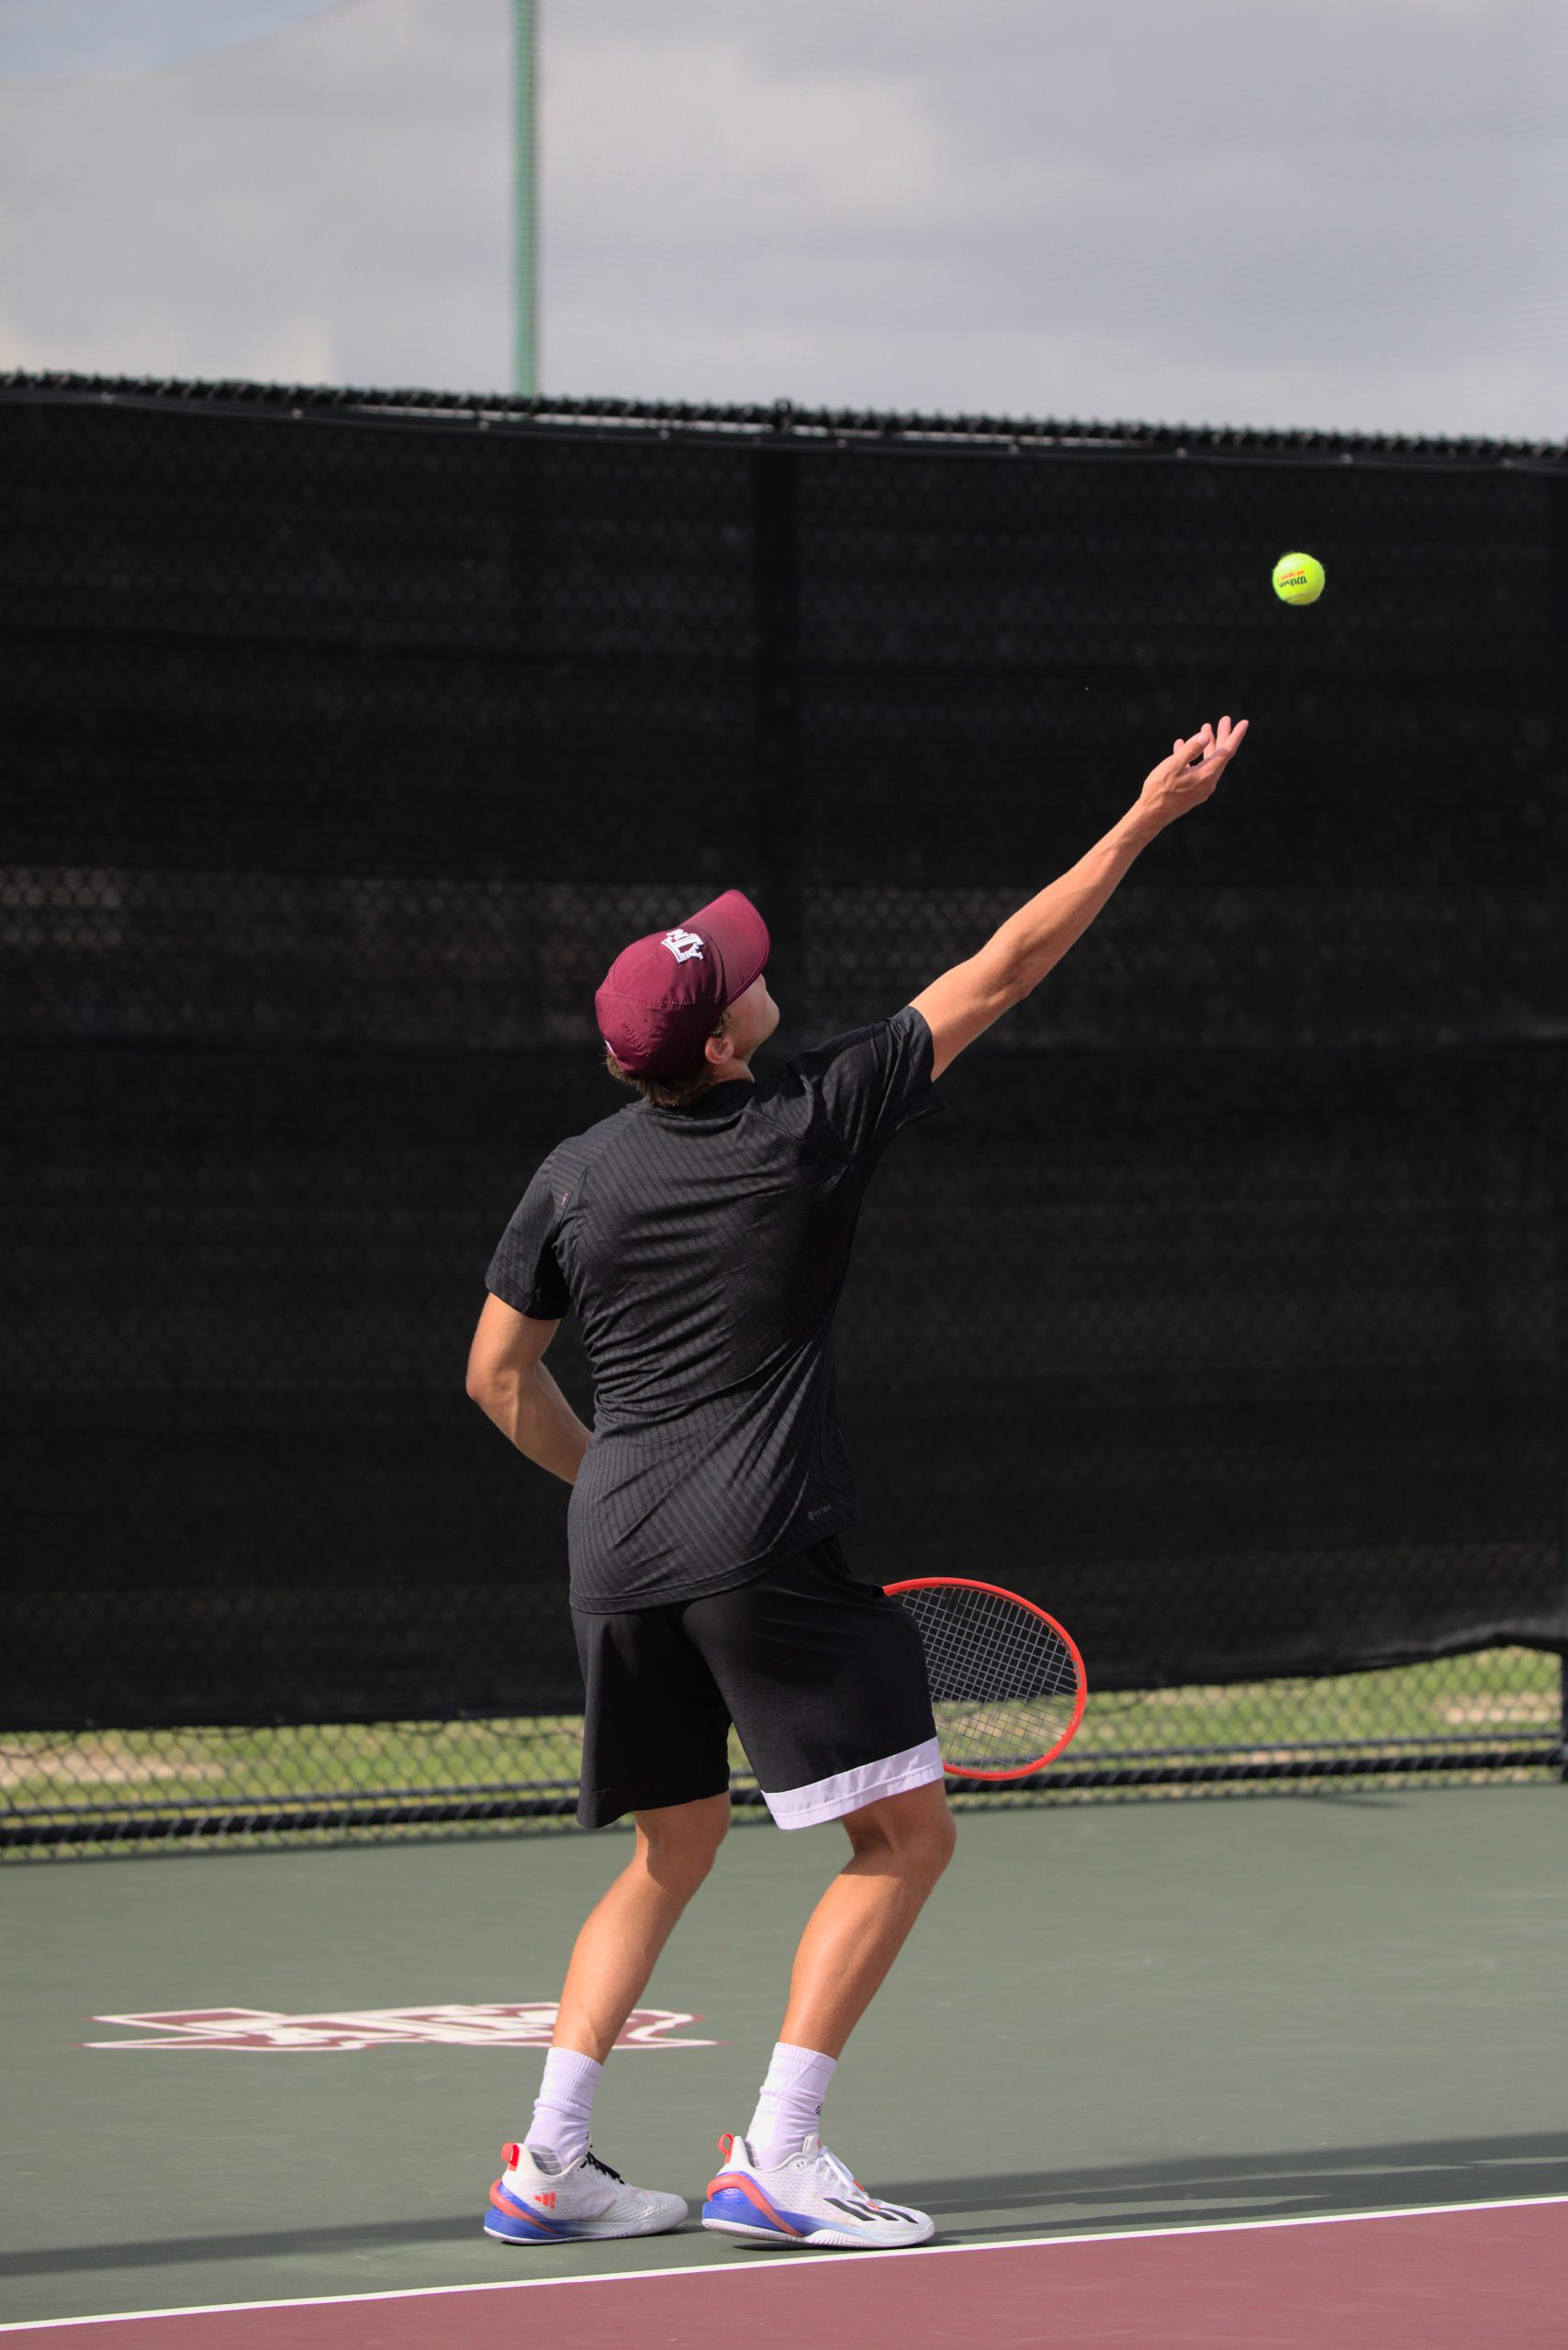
509 2155
726 2146
503 2200
755 2196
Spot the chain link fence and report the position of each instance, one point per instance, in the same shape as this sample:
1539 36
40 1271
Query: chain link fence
349 736
1494 1714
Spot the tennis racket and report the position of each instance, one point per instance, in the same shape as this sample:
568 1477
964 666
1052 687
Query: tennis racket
1007 1682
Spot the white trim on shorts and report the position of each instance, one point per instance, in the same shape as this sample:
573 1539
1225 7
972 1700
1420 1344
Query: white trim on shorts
847 1791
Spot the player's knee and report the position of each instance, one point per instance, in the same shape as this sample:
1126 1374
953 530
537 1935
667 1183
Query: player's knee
947 1837
680 1845
938 1841
915 1833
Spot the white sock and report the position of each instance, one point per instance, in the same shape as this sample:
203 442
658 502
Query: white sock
563 2107
791 2105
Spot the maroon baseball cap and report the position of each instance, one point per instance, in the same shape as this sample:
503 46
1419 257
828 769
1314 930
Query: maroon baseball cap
663 995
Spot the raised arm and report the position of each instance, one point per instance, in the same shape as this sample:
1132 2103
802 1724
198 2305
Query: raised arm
963 1001
508 1379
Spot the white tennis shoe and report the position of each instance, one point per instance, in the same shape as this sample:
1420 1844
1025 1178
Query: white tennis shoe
538 2200
809 2199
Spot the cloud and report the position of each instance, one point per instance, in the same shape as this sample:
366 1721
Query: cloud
718 139
132 35
1222 211
1205 209
277 349
338 198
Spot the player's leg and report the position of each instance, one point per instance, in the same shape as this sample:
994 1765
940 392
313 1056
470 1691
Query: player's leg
655 1742
898 1850
825 1679
621 1941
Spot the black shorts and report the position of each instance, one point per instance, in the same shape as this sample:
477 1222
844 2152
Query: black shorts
823 1678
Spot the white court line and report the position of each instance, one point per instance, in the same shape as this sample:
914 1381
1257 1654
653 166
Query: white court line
789 2261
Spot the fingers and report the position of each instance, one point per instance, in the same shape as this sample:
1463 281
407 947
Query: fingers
1217 747
1201 758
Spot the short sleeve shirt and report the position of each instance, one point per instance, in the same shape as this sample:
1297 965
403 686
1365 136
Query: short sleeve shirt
705 1251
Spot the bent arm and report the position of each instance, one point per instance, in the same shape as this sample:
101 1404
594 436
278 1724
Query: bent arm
964 1000
508 1379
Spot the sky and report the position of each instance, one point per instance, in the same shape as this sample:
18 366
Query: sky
1352 215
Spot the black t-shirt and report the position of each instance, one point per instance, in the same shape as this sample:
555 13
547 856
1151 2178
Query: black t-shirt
705 1250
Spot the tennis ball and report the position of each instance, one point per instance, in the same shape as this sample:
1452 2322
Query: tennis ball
1298 579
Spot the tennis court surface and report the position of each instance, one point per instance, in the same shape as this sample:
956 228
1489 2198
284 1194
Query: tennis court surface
1275 2072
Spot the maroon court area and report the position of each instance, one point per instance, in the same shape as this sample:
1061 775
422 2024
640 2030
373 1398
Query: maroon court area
1485 2279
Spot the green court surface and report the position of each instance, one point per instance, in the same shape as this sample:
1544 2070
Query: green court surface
1135 2015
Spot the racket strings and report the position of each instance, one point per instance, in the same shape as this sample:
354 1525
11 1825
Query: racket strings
1004 1684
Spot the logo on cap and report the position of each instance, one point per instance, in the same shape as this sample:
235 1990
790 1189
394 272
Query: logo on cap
683 944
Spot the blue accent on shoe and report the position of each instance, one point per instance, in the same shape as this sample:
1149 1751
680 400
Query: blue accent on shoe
519 2223
730 2203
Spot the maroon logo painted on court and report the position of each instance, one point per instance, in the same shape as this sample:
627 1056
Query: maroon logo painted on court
528 2023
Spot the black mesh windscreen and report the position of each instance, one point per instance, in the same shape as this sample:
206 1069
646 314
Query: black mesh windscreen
1223 1313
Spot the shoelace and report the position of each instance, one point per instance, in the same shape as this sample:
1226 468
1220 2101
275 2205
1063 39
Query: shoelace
842 2176
591 2157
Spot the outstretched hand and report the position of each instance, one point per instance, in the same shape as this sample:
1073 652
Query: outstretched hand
1189 776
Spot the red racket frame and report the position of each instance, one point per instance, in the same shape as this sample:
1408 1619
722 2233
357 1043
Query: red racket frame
966 1583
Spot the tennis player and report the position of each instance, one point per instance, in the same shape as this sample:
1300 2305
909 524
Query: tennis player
702 1234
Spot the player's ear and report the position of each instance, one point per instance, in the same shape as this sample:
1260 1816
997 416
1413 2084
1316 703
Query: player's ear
720 1046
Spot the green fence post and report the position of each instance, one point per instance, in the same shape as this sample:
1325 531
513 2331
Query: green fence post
525 197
